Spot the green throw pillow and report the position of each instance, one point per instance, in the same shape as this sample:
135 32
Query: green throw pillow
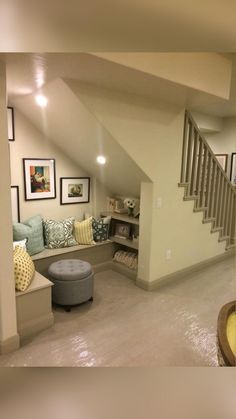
59 233
31 229
100 230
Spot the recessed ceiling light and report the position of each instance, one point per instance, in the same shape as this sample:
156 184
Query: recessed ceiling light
101 159
41 100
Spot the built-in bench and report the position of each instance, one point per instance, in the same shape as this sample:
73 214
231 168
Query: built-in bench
98 255
34 307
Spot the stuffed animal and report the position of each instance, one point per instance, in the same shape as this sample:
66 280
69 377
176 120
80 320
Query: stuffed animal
130 203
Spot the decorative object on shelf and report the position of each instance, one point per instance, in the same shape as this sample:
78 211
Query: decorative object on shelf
223 160
233 169
119 207
130 203
74 190
15 204
39 179
11 123
122 231
135 238
110 204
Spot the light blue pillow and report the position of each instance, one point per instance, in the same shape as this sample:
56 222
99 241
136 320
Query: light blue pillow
31 229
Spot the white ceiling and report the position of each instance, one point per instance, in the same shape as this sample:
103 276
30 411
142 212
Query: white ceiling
27 72
124 25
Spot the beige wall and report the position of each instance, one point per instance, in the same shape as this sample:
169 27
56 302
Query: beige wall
152 134
224 142
30 143
207 72
8 330
208 123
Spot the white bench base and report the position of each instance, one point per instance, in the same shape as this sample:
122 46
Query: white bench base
34 307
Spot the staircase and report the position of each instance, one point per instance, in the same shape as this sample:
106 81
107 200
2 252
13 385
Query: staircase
207 184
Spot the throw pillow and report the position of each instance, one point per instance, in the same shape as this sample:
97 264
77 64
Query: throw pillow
23 269
84 231
100 229
20 243
32 229
59 233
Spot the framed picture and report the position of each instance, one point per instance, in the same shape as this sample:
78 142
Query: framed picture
15 204
233 169
39 179
74 190
11 123
223 160
122 230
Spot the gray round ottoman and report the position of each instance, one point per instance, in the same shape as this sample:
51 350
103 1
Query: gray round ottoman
73 282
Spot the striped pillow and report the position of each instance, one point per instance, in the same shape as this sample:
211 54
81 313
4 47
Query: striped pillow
84 231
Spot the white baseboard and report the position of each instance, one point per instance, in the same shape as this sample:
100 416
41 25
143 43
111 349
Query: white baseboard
152 285
10 344
34 326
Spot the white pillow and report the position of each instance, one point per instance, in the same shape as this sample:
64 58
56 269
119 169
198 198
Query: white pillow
106 220
20 243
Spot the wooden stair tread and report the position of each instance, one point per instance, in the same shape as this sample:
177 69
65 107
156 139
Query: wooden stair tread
208 220
216 229
191 197
199 209
222 238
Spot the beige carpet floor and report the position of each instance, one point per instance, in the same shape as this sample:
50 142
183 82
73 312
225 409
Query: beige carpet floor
127 326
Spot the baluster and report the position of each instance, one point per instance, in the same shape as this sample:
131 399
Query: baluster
199 170
226 207
208 183
217 193
219 206
230 212
212 191
184 150
203 177
189 155
223 204
233 221
194 164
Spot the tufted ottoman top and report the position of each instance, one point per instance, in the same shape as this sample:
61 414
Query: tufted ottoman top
69 269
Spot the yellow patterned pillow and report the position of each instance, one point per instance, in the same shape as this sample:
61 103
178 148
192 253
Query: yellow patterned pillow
84 231
23 269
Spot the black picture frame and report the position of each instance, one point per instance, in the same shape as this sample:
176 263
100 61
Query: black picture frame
122 230
44 186
81 186
15 203
11 123
233 169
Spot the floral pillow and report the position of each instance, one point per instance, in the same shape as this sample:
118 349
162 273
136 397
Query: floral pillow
59 233
100 230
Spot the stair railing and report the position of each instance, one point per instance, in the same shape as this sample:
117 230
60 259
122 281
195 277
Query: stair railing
207 184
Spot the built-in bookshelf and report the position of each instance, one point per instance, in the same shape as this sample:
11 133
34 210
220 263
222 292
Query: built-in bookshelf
123 229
